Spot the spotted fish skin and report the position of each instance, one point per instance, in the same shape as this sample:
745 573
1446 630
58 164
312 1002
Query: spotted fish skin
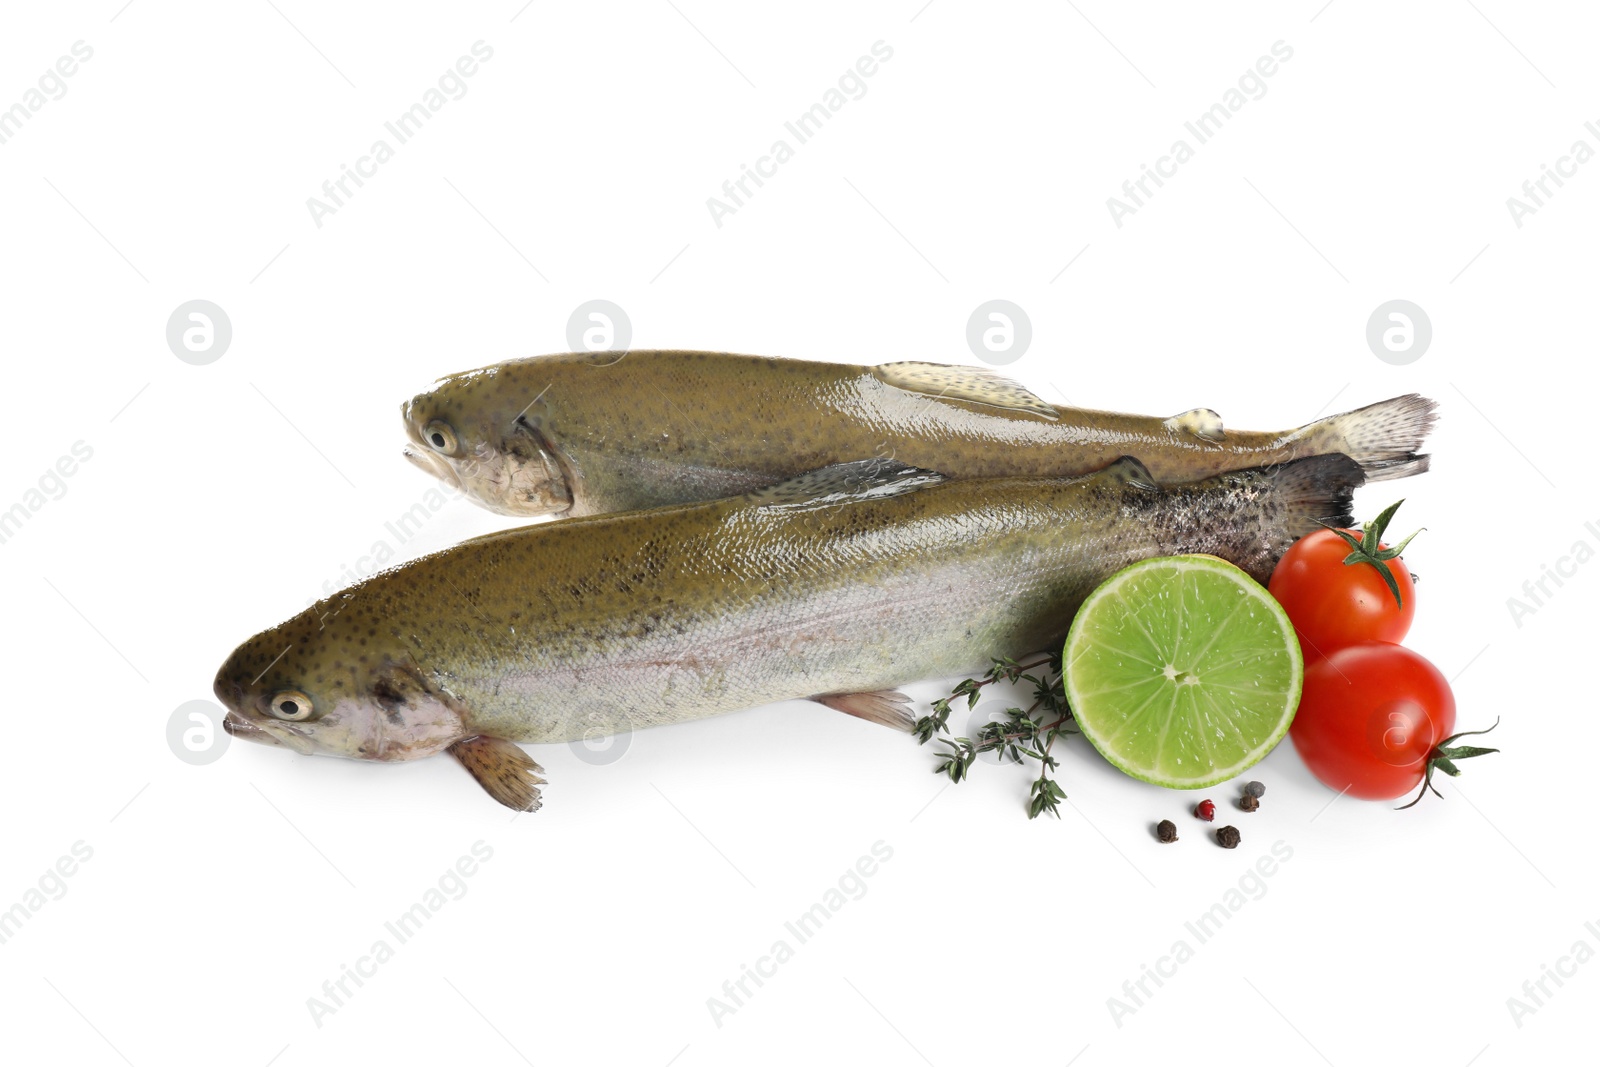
589 433
852 580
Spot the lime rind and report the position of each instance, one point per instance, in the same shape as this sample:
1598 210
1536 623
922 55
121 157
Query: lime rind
1182 671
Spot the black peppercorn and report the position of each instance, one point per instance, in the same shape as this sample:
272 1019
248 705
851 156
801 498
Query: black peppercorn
1228 837
1166 832
1248 802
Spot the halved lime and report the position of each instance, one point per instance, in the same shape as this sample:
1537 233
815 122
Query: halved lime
1182 670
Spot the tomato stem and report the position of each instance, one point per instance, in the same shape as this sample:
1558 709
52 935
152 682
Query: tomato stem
1369 549
1443 758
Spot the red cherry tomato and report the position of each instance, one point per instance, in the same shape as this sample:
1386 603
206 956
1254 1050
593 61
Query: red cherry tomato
1333 604
1370 716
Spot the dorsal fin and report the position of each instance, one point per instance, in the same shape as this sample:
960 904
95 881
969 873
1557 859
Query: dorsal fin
1127 470
975 385
841 483
1198 422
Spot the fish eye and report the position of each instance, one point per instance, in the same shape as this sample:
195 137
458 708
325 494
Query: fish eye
290 705
440 437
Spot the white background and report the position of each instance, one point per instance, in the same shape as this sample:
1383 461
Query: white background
219 499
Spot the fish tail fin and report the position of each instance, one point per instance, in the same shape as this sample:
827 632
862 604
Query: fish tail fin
1382 437
1316 491
1250 517
1256 514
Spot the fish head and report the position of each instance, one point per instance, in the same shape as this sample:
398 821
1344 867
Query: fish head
460 432
323 683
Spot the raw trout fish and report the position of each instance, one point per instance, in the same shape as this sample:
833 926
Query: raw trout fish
836 586
590 433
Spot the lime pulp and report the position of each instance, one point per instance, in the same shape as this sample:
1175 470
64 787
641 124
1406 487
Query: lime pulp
1182 671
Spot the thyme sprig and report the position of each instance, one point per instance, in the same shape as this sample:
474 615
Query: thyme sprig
1022 735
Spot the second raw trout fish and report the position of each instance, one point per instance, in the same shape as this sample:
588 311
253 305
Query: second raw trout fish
591 433
836 586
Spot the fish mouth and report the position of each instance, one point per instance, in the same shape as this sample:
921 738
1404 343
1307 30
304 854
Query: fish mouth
236 725
429 463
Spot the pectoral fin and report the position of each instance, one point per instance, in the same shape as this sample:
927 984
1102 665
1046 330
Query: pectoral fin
841 483
1198 422
975 385
1127 470
505 771
886 707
